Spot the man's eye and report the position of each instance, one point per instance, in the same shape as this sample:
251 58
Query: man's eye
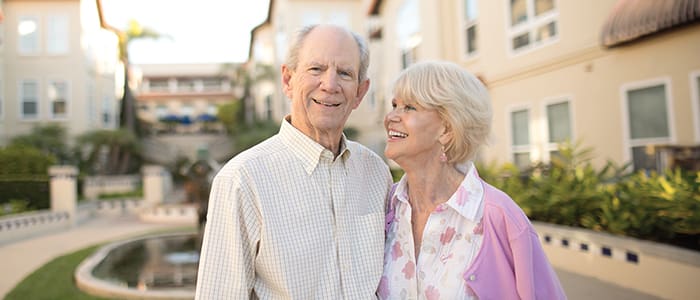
315 70
346 75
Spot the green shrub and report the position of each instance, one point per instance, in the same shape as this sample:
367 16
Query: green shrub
20 160
24 176
570 191
254 134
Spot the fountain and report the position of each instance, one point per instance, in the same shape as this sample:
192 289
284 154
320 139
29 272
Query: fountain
153 267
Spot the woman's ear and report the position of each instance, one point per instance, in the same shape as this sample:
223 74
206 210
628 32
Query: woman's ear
446 135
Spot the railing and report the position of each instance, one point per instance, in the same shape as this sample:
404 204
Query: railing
22 226
661 270
182 213
94 186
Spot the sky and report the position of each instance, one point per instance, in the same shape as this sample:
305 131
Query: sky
202 31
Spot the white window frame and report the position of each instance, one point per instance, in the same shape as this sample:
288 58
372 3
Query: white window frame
627 140
20 92
548 145
50 99
57 38
107 117
530 26
37 36
409 41
91 96
695 104
464 27
515 149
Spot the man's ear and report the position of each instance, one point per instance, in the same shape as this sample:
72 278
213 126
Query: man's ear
286 81
362 89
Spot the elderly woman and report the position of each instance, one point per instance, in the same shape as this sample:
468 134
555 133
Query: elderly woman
450 235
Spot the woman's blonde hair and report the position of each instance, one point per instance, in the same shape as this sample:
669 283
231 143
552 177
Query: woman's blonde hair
460 99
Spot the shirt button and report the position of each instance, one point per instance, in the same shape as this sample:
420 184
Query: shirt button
472 277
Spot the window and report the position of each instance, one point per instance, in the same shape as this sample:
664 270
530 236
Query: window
161 111
648 123
531 23
57 34
185 85
92 107
29 97
158 85
106 112
558 126
469 15
408 26
520 129
28 31
57 93
212 109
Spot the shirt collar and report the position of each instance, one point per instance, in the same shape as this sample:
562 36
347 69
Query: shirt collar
306 149
466 200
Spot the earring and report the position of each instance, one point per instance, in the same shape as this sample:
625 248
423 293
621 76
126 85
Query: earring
443 155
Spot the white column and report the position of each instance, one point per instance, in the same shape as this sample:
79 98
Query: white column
64 189
154 185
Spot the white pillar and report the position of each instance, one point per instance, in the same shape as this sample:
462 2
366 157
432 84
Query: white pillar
154 185
64 189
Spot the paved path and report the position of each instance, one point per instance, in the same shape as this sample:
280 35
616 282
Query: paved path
21 258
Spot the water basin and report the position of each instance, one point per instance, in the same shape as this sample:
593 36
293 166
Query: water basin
152 267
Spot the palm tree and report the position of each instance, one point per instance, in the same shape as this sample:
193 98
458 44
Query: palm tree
134 31
120 147
244 78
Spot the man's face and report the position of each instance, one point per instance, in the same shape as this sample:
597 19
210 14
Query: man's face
324 88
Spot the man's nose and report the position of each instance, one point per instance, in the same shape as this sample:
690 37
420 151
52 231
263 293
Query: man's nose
329 82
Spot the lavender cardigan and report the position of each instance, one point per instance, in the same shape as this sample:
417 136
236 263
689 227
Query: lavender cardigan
511 263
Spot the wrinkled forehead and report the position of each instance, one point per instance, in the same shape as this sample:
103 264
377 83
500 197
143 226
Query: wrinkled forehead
330 46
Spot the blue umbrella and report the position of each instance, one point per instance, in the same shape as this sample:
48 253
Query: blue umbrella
207 118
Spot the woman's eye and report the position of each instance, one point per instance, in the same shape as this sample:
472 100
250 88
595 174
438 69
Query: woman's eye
408 108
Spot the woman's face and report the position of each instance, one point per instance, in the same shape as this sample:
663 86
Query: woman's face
413 133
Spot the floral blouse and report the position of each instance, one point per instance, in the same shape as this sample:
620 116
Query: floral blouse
451 239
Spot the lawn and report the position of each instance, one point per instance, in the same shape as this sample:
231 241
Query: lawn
54 280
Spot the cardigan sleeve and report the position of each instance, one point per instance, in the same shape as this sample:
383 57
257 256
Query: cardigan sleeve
534 276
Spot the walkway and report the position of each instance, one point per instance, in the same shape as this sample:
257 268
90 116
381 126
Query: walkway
23 257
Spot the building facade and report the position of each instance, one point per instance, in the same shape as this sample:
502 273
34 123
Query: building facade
557 72
285 18
59 66
179 104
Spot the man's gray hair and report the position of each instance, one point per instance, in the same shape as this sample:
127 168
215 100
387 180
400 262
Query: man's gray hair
298 42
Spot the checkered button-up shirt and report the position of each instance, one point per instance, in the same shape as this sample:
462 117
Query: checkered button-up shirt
287 220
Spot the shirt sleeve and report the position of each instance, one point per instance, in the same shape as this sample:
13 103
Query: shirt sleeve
231 236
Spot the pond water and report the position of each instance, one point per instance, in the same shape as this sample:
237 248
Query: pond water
152 263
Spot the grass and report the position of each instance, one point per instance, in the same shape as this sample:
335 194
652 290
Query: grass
54 280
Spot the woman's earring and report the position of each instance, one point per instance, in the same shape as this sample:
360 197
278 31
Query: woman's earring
443 155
